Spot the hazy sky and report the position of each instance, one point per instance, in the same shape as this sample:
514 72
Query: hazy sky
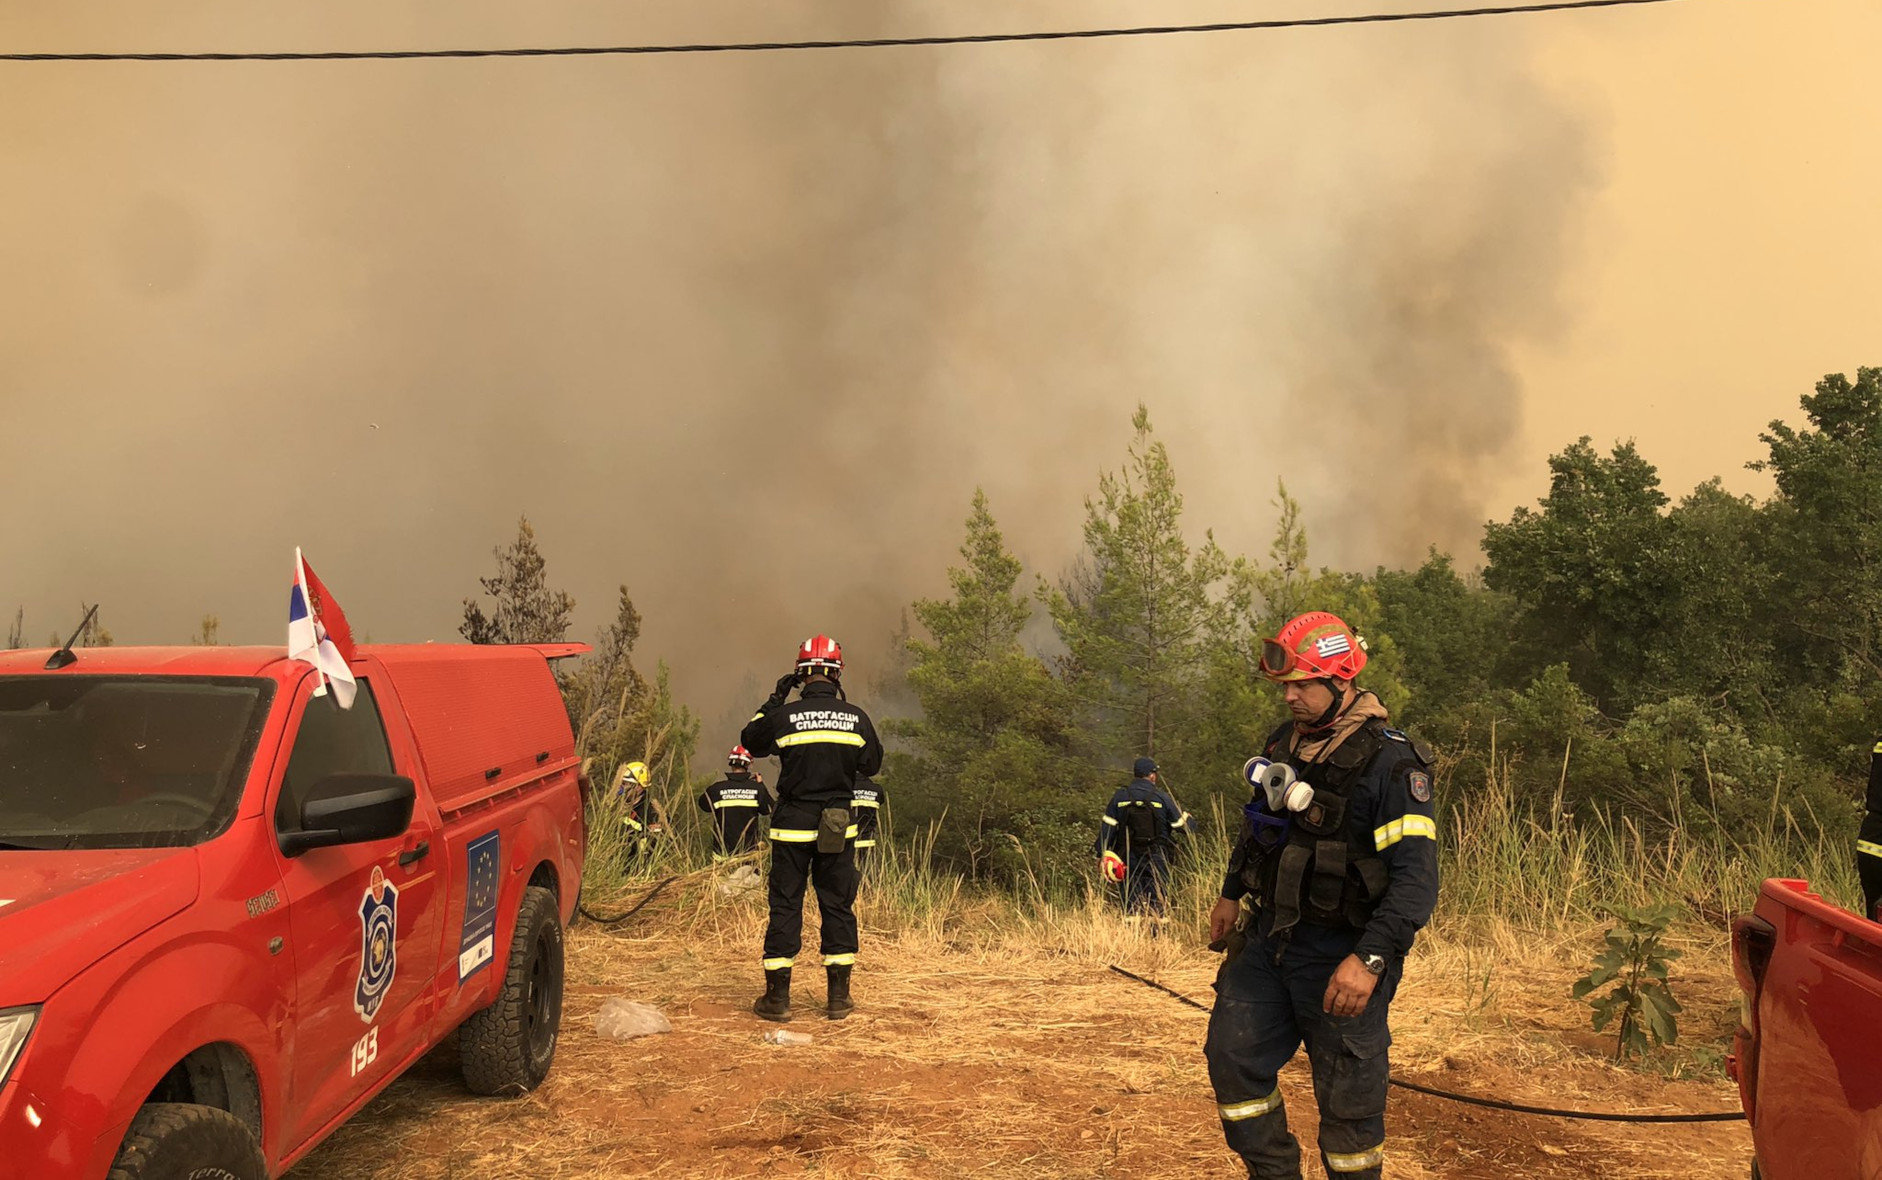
745 332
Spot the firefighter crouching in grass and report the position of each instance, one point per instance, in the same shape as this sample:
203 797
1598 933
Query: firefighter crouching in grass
735 803
1339 855
824 744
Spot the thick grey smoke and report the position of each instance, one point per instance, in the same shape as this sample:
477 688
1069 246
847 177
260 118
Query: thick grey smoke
745 332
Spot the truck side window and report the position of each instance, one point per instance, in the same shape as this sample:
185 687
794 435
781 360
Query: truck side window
332 740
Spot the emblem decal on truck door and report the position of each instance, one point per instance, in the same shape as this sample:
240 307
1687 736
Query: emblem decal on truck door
479 944
378 946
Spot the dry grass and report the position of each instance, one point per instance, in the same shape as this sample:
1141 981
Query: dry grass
991 1041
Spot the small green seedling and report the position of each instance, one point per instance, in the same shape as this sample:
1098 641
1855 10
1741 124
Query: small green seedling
1635 962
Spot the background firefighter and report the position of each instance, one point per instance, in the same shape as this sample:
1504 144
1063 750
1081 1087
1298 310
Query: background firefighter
867 802
1138 839
1869 841
1343 875
735 803
824 744
637 820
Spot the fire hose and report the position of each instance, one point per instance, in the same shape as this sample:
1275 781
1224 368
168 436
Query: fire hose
1492 1103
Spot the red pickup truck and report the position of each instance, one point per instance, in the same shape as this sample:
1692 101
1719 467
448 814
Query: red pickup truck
231 912
1808 1054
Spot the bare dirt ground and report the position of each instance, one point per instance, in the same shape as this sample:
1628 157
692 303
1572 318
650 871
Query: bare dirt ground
978 1050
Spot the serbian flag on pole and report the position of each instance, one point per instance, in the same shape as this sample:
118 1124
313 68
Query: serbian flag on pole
318 634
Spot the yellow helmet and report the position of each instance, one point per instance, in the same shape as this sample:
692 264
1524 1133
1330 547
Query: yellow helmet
636 773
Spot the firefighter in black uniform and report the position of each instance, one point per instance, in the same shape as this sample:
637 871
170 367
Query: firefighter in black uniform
866 799
735 803
824 743
1869 842
1138 838
1339 855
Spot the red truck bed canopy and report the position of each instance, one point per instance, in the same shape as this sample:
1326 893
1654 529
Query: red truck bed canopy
485 717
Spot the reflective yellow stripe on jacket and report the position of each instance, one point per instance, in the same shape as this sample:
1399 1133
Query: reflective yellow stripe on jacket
1869 846
1404 827
812 737
735 803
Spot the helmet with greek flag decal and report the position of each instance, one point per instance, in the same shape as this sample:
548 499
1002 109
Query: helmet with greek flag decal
820 655
1314 646
739 758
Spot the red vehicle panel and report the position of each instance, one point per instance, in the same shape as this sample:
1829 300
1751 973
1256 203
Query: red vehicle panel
224 896
1808 1056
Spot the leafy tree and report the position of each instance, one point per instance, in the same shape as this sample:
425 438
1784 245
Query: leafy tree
526 609
989 756
1138 614
1451 635
1716 635
1587 569
1827 539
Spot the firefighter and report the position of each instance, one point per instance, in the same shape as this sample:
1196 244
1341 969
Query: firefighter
735 803
1869 842
1138 839
636 824
824 743
1339 856
866 799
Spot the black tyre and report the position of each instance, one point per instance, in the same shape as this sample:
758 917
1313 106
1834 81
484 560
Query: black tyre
508 1047
181 1141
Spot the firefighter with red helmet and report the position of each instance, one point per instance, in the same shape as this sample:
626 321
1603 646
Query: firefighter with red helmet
735 803
1338 855
824 744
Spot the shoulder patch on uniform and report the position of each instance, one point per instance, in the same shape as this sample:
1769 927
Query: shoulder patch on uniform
1419 784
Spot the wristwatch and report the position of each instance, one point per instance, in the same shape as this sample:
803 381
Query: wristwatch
1373 963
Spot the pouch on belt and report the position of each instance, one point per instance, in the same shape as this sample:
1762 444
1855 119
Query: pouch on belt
833 829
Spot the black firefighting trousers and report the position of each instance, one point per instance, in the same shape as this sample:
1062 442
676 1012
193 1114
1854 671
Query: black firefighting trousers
794 864
1263 1012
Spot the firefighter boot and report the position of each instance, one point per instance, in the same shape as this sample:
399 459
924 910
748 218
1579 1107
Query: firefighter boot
775 1004
839 1004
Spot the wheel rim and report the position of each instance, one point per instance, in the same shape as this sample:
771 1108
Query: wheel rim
542 1000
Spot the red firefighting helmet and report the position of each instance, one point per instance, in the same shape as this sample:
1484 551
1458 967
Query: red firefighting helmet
820 653
739 757
1313 646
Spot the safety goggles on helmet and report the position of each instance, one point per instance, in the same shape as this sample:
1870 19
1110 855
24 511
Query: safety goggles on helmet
1278 661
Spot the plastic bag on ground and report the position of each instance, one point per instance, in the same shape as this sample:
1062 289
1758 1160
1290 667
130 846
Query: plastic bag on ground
743 879
623 1020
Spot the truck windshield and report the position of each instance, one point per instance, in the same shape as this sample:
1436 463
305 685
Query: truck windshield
124 761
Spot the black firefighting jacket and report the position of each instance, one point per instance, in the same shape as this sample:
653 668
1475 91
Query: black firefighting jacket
866 803
1142 821
735 803
824 744
1869 841
1389 821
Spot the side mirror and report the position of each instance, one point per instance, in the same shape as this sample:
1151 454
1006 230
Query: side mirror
352 809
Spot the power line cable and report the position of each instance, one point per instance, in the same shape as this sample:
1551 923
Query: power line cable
1372 18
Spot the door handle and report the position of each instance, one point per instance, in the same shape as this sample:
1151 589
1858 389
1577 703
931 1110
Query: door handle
412 856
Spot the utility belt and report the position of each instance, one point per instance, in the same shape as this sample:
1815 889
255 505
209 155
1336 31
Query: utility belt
1306 865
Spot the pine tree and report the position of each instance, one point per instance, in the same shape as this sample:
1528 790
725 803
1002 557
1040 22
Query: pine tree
1138 613
526 609
990 755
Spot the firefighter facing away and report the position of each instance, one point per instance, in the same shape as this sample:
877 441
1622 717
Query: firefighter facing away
1869 842
735 802
824 744
867 800
1338 853
1139 837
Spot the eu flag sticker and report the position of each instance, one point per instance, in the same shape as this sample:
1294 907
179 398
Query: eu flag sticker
479 944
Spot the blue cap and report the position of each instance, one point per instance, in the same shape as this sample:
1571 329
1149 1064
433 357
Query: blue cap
1144 767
